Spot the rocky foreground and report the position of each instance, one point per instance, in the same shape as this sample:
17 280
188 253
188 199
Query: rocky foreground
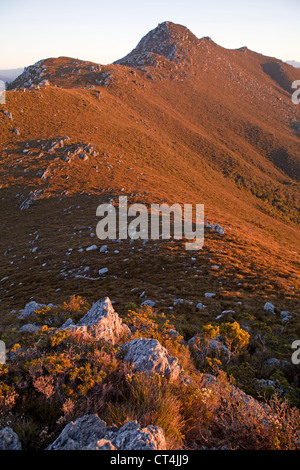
147 357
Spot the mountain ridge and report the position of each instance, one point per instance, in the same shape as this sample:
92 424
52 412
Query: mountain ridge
169 46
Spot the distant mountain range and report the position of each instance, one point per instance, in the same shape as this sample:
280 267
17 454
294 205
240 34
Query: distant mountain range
10 74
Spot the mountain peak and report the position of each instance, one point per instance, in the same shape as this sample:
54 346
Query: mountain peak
169 40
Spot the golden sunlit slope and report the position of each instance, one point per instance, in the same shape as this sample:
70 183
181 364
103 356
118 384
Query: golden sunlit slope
179 119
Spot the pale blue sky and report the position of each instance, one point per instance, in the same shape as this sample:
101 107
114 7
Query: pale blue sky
105 30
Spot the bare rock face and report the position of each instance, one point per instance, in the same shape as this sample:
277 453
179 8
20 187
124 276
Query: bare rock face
132 437
102 323
9 439
149 356
30 308
91 433
167 40
80 433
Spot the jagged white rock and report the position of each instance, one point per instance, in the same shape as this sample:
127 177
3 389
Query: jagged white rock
149 356
101 322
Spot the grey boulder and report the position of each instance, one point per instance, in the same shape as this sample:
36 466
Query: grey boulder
101 322
80 433
149 356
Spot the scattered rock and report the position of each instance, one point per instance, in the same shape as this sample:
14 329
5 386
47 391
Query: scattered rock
148 303
217 345
149 356
44 83
92 247
269 308
9 115
226 314
30 308
208 380
33 196
286 316
200 306
216 228
181 301
103 271
241 400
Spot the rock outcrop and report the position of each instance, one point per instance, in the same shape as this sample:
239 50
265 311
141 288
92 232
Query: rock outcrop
101 322
9 439
149 356
30 308
78 434
91 433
